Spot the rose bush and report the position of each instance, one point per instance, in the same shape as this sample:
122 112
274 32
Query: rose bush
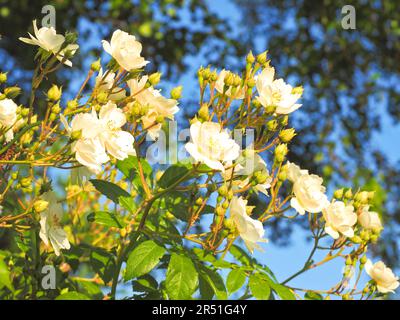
78 193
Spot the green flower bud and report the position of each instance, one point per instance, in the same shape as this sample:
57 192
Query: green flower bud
225 205
362 197
220 211
176 93
287 135
349 261
270 109
14 175
272 125
203 112
199 201
56 109
280 152
25 182
3 77
284 120
250 58
54 93
262 57
338 194
214 76
282 176
72 104
363 259
12 92
223 190
373 238
261 177
160 119
102 97
155 78
251 83
298 90
76 135
96 65
229 196
24 112
40 205
356 239
348 194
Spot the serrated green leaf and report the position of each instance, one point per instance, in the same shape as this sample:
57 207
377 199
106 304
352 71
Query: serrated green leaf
259 287
106 218
235 280
182 277
143 259
110 190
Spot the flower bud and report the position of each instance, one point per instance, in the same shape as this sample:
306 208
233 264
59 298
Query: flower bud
96 65
25 182
373 238
214 76
223 190
203 112
349 261
102 97
229 224
371 195
348 194
338 194
199 201
76 135
251 83
54 93
220 211
225 205
250 58
72 104
261 177
65 267
298 90
362 197
160 119
280 152
272 125
3 77
282 176
262 57
287 135
155 78
176 93
363 259
56 109
40 205
270 109
12 92
356 239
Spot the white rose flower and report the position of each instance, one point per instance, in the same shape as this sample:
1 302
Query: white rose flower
8 117
369 219
384 277
294 171
250 230
309 194
212 145
49 40
339 218
90 153
157 105
219 86
51 231
276 92
118 143
106 84
124 48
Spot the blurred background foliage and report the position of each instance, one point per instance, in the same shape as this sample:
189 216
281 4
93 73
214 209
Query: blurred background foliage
351 77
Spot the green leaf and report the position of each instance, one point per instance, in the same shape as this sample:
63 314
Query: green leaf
172 174
182 277
259 287
145 283
128 203
235 280
310 295
5 276
110 190
143 259
240 255
102 263
283 292
215 281
106 218
129 167
72 295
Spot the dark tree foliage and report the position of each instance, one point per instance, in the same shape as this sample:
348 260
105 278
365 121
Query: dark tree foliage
351 80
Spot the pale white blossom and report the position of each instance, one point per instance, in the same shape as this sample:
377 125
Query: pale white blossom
156 104
294 171
8 118
339 218
219 86
212 145
250 230
276 92
309 194
126 50
369 219
51 231
49 40
385 279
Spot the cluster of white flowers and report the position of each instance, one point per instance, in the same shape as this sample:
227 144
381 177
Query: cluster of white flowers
100 134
